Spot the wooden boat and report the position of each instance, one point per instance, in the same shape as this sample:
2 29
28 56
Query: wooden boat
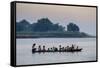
70 50
74 50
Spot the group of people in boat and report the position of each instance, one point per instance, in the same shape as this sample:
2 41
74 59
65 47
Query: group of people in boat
55 49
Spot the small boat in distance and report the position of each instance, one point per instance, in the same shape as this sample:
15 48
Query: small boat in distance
55 49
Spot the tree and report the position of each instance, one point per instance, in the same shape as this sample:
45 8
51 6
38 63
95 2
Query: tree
22 26
45 25
72 27
42 25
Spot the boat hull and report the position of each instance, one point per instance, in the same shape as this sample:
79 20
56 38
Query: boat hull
74 50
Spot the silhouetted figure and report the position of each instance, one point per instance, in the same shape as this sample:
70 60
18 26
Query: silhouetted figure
56 49
77 47
48 49
51 49
59 47
68 47
39 48
33 48
63 48
44 48
72 48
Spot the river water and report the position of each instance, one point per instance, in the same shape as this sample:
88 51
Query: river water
24 54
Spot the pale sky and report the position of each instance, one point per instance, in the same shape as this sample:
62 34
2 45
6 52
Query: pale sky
84 17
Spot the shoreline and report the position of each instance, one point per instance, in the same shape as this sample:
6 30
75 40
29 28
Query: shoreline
53 37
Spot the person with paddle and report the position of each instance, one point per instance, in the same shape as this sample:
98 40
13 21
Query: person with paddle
33 48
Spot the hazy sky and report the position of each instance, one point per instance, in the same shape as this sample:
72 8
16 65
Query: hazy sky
84 17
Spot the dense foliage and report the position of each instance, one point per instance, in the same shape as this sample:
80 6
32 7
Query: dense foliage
72 27
44 25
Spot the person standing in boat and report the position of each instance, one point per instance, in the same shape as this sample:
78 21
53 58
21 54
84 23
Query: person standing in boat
33 48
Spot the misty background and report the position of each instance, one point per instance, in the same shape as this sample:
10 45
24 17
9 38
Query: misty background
84 17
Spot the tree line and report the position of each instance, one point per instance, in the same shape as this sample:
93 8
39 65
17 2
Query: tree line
44 25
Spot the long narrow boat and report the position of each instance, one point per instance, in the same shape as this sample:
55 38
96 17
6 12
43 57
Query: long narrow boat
71 50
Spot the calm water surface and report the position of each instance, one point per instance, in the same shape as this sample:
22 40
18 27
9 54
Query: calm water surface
25 56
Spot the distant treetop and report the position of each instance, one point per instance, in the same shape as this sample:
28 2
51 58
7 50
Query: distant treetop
72 27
